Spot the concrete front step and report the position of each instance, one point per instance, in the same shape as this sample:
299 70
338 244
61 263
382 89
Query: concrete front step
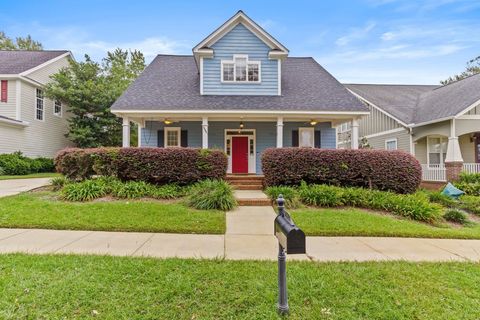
254 202
243 182
247 187
244 177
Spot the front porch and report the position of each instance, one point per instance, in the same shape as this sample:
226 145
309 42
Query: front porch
438 149
242 138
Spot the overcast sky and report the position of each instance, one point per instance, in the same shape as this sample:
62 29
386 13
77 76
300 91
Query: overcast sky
364 41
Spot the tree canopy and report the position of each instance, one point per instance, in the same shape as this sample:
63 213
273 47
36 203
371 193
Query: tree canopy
26 43
89 89
473 67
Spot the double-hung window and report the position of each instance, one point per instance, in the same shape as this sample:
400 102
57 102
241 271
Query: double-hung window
391 144
437 150
57 108
172 137
39 107
240 70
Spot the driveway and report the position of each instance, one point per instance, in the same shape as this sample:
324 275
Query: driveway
15 186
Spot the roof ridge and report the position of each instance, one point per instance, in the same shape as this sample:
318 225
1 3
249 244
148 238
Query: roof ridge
457 81
19 50
391 84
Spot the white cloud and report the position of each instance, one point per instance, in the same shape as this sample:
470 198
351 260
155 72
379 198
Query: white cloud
355 34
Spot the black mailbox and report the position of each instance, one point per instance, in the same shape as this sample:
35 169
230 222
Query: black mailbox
289 236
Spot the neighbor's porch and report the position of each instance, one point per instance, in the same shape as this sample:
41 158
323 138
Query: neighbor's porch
437 146
243 138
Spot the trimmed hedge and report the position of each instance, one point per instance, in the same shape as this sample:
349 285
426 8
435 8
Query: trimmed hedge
394 171
154 165
17 164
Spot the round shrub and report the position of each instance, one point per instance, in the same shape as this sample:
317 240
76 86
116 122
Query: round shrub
211 194
84 191
15 164
394 171
457 216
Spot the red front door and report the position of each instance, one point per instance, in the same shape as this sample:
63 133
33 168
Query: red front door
239 154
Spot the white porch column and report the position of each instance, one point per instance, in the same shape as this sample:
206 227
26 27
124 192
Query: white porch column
279 132
140 127
453 148
354 135
204 133
126 133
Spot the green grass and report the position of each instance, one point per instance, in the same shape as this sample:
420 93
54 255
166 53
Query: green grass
43 210
357 222
32 175
78 287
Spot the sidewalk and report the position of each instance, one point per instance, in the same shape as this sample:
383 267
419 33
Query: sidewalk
234 246
15 186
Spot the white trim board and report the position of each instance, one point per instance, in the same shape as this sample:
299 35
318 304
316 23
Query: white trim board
46 63
241 112
378 134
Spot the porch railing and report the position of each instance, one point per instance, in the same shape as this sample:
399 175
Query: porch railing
433 172
437 172
471 167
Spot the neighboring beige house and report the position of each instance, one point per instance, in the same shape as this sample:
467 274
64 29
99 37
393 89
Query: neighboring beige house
440 125
29 122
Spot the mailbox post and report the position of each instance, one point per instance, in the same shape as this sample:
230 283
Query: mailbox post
290 240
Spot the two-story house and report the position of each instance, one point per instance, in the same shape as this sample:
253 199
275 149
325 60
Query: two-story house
240 92
29 122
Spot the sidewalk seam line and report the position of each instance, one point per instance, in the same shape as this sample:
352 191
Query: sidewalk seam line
16 234
144 242
456 254
71 242
377 251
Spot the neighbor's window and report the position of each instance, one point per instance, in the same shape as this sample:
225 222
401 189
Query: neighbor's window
4 91
241 70
437 150
306 137
57 108
172 137
391 144
39 110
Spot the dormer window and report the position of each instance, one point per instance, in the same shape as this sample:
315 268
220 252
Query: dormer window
240 70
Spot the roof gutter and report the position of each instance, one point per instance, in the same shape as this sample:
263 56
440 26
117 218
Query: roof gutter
15 123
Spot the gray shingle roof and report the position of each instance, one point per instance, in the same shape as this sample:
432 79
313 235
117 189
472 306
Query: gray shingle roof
18 61
172 83
398 100
421 103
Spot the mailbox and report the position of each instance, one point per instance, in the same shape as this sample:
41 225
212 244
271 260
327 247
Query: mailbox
289 236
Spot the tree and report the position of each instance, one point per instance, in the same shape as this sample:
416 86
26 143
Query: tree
20 43
473 67
89 89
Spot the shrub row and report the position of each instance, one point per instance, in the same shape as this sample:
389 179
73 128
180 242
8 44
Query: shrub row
414 206
466 202
91 189
17 164
394 171
155 165
469 183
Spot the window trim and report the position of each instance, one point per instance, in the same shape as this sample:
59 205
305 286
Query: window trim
248 62
165 137
442 160
391 140
312 130
36 104
58 114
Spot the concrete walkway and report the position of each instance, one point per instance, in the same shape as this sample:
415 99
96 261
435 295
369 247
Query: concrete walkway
15 186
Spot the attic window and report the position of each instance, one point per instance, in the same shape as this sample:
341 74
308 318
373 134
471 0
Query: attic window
240 70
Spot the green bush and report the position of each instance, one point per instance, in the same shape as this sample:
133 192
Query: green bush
290 194
469 177
167 191
414 206
84 191
58 182
17 164
440 198
131 190
211 194
457 216
470 188
470 204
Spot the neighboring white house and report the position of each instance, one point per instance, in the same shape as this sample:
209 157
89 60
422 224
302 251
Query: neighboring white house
29 122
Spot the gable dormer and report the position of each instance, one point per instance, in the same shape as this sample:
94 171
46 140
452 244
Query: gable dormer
240 58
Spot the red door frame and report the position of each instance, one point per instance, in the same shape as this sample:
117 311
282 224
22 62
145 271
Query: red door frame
240 154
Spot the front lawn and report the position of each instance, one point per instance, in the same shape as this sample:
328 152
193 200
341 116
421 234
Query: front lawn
45 210
83 287
358 222
32 175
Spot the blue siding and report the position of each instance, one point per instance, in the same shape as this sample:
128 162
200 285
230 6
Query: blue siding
327 133
240 40
266 133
